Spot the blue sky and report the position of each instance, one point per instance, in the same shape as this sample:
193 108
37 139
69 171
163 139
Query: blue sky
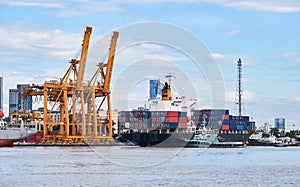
39 37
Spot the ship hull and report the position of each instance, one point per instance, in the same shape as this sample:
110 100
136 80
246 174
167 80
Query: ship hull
9 135
228 145
254 142
6 142
144 139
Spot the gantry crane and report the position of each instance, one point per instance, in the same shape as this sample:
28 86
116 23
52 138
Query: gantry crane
102 90
78 123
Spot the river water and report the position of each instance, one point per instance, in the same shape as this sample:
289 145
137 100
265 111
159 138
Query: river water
135 166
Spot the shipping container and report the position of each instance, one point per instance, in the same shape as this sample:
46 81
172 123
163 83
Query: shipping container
173 125
182 125
182 114
225 122
225 117
172 119
209 117
182 120
232 126
225 127
240 127
172 113
242 118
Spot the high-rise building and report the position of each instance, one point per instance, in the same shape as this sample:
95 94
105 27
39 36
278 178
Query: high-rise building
24 103
13 100
1 93
16 101
280 123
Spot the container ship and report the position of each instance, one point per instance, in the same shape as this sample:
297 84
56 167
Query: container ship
171 122
166 123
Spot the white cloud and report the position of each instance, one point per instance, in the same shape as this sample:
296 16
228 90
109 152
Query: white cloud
237 31
30 45
233 32
71 7
30 3
233 58
88 8
247 96
228 58
297 98
144 51
292 56
286 6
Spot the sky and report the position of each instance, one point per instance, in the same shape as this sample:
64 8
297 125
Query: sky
38 38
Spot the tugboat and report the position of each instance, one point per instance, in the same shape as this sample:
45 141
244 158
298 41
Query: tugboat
202 140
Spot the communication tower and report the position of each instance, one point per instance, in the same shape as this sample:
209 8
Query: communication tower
239 87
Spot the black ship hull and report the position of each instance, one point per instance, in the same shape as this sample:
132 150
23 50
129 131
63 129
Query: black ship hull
145 139
253 142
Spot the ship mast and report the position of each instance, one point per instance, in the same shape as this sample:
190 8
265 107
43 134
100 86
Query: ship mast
169 77
240 92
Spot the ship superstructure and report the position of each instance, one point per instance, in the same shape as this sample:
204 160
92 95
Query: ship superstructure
167 102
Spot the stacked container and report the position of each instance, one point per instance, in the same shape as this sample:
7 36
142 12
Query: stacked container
144 119
225 122
211 118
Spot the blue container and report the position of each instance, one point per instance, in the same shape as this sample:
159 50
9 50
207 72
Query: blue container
232 127
225 122
232 122
173 125
182 114
240 127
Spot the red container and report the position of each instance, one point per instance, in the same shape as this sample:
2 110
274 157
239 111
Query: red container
183 120
225 117
225 127
182 125
172 119
172 113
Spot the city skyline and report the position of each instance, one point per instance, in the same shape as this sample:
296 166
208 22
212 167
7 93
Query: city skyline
40 37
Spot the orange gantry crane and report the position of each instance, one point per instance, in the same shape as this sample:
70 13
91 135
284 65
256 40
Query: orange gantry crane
77 102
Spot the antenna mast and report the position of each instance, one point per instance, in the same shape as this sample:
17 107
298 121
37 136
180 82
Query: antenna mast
169 77
240 92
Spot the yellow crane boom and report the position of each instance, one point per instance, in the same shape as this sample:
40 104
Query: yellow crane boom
110 61
84 52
